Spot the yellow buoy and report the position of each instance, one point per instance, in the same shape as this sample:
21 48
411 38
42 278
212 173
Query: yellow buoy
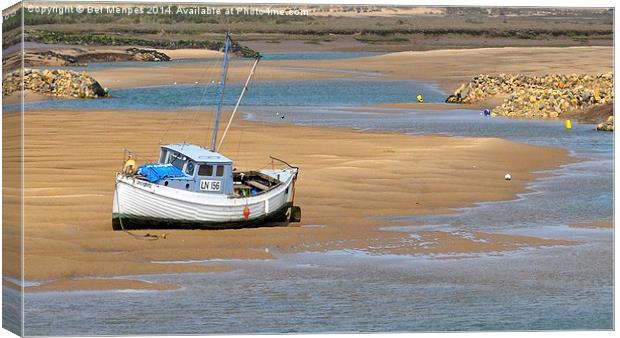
420 100
568 125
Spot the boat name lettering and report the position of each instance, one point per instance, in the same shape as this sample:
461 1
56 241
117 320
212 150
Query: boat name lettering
210 185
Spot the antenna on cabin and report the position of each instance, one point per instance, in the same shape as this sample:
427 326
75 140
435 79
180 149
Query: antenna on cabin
221 93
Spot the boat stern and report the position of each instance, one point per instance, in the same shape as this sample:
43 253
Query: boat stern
288 177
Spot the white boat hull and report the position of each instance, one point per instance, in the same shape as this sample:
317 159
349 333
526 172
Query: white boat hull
142 205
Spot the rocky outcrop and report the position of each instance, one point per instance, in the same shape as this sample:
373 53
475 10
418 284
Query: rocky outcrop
61 59
607 125
130 54
39 59
149 55
548 96
80 57
59 83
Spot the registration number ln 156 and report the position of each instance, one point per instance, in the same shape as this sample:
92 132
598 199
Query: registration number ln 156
209 185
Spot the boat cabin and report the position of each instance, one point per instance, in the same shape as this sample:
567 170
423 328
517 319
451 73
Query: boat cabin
205 170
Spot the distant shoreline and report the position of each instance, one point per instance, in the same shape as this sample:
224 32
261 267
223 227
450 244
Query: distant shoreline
378 27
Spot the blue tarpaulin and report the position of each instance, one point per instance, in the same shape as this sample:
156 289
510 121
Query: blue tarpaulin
156 172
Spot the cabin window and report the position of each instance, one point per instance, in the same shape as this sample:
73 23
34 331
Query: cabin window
171 157
162 158
205 170
189 169
178 163
177 160
219 171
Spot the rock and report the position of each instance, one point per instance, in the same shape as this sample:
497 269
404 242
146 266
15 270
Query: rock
453 99
98 90
607 125
547 96
585 96
147 55
59 83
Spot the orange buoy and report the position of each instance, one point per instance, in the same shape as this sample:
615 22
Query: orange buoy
246 213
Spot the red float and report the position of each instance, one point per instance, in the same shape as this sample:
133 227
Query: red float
246 213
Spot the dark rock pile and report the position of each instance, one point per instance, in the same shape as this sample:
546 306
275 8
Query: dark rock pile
130 54
150 55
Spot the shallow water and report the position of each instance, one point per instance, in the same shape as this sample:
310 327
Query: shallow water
580 192
349 292
576 193
555 288
337 92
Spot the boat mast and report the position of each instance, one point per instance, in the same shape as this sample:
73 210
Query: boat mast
245 88
221 93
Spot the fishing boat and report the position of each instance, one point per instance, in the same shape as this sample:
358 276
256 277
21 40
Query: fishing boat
196 187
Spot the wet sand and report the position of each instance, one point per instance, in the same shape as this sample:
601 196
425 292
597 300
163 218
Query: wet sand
185 53
348 181
99 284
421 106
448 68
607 223
28 95
490 102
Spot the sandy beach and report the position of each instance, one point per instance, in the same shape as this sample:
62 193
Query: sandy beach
348 181
449 68
185 53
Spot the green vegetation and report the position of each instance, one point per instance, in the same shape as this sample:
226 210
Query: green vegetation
123 40
380 38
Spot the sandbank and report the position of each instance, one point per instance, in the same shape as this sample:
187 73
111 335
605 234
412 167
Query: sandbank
349 181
